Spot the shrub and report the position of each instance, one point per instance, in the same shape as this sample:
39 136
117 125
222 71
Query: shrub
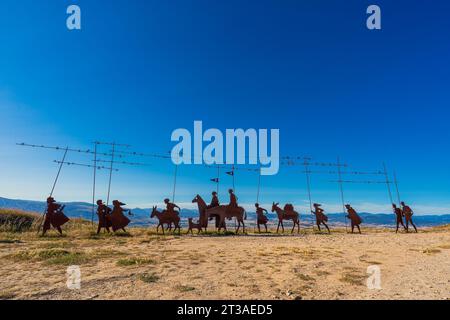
12 220
51 256
149 278
134 262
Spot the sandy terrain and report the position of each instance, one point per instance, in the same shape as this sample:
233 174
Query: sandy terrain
147 266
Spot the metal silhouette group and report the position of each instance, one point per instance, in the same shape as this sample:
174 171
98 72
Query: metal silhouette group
219 212
169 218
114 218
406 213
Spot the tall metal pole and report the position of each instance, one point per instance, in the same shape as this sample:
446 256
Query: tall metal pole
54 185
257 197
387 183
218 179
308 185
342 193
59 171
232 171
396 187
259 185
93 185
234 190
110 172
174 183
388 186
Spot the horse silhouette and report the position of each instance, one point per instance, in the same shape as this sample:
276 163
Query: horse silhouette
223 212
203 218
166 218
283 215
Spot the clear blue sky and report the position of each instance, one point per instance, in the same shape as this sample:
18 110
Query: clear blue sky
139 69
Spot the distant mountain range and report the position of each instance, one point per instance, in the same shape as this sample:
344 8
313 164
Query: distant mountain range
142 216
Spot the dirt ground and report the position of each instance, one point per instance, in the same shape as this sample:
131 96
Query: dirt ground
144 265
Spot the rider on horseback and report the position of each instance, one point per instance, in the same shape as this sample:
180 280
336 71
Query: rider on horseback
233 199
214 201
170 207
233 205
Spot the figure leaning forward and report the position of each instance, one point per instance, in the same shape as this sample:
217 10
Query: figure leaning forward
54 216
399 217
118 218
321 218
355 219
408 213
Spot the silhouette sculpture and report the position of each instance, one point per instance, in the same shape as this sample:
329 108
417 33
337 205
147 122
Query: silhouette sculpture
193 225
118 219
399 217
214 200
321 218
233 205
233 199
170 209
287 214
408 213
54 216
164 218
261 219
224 213
227 212
104 216
215 203
203 217
355 219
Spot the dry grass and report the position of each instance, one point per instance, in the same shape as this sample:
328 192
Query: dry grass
56 256
305 277
183 288
9 241
149 277
353 279
12 220
134 262
431 251
364 258
322 273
